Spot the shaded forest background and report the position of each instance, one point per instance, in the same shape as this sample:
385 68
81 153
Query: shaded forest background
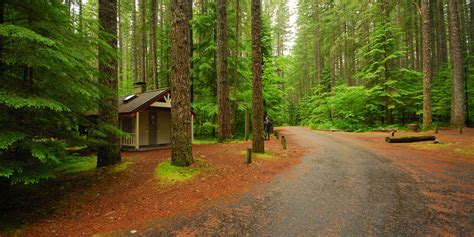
355 65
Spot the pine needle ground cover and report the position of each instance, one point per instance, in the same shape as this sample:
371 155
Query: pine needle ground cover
95 198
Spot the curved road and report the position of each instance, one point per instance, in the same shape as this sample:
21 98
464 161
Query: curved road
339 188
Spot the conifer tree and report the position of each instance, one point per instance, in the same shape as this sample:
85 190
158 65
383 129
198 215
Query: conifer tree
108 154
181 144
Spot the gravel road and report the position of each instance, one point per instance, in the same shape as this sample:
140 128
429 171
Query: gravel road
339 188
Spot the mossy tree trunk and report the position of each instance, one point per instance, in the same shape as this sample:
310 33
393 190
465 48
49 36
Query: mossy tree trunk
108 154
458 96
181 140
222 72
257 93
427 63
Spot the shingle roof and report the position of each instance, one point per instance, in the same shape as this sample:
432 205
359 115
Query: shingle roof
140 101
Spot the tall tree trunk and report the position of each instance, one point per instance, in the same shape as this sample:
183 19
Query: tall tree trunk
257 90
441 35
80 15
109 153
427 63
317 40
471 7
418 43
154 56
143 42
457 84
2 13
222 72
236 65
134 42
162 44
181 140
191 49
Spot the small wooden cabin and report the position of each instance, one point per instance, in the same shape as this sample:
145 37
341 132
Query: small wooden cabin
150 112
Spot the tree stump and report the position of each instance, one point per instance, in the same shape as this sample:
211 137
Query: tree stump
248 158
283 142
277 134
413 127
436 130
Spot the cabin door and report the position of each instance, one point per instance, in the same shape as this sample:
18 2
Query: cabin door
164 126
153 127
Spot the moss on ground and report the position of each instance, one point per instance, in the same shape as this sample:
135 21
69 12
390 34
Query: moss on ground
202 141
76 164
168 173
431 146
467 150
265 156
120 167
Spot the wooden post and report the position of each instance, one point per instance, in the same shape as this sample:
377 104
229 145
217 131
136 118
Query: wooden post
283 142
248 159
246 124
277 135
436 130
460 130
137 131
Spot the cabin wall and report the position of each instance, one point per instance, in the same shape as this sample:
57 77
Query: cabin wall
144 133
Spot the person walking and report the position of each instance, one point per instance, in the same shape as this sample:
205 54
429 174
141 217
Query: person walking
267 125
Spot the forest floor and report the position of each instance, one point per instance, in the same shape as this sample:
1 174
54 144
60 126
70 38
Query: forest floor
350 184
101 201
326 183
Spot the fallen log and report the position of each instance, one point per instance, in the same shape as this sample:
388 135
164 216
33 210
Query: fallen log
409 139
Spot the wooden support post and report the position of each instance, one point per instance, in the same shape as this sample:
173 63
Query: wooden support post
246 124
277 134
436 130
248 159
460 130
137 131
283 142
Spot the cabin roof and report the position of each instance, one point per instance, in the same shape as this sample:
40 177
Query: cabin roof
140 101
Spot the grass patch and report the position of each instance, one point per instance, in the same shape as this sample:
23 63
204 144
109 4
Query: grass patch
120 167
202 141
168 173
265 156
431 146
467 150
74 164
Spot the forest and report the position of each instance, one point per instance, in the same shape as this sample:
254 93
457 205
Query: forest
352 65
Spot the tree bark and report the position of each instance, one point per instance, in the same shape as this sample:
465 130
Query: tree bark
154 56
222 72
441 35
427 63
143 42
181 140
257 92
2 13
458 91
318 48
409 139
109 153
236 65
134 42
